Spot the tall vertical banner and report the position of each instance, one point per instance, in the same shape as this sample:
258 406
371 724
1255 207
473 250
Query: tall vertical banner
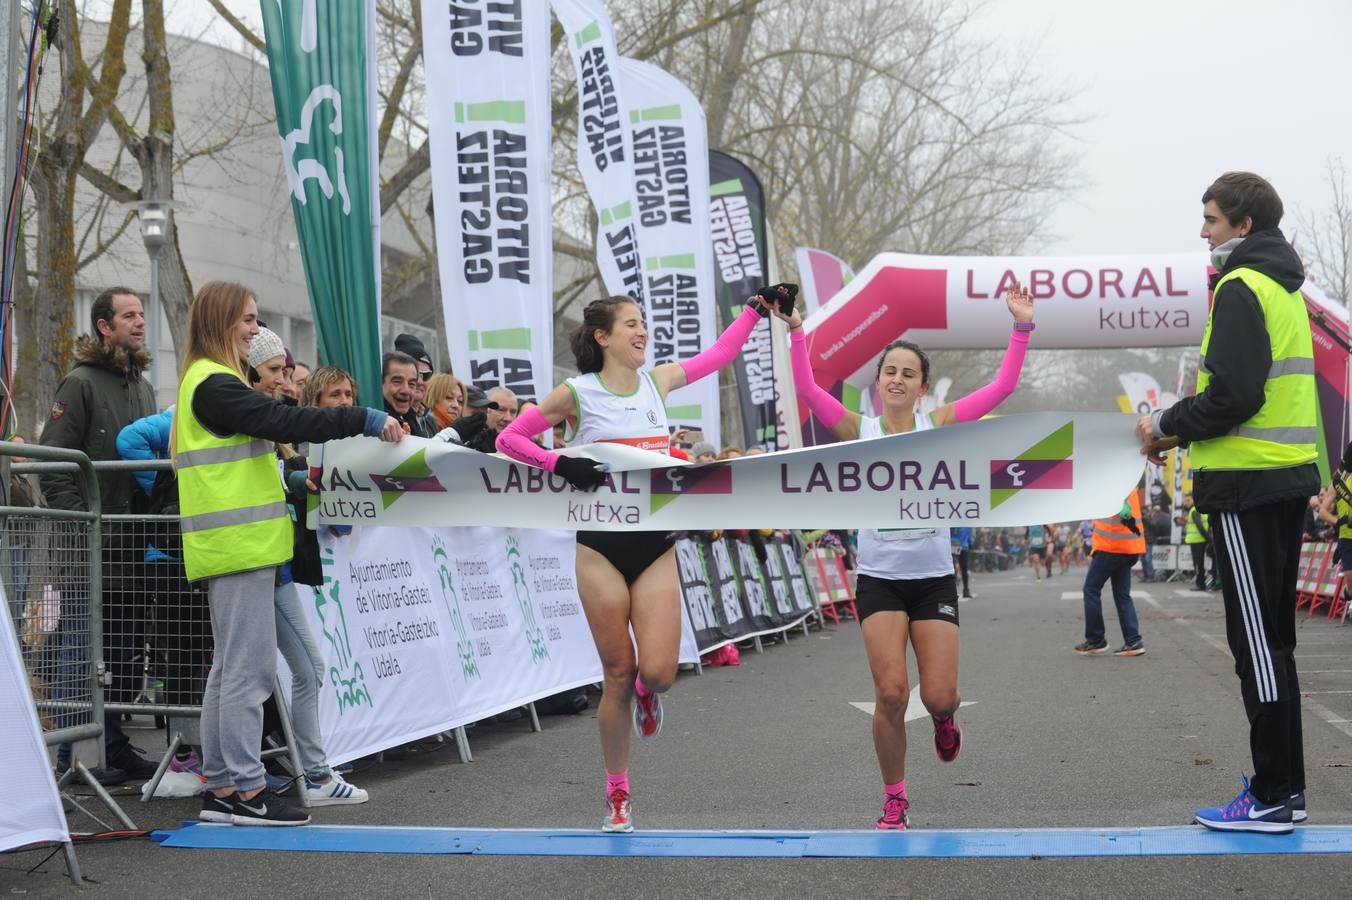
321 55
604 155
488 118
737 227
31 812
671 189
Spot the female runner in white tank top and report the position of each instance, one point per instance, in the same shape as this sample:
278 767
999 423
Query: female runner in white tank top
624 578
906 590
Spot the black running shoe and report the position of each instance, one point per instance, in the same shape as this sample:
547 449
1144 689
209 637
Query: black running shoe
217 809
1084 648
137 767
1135 648
265 808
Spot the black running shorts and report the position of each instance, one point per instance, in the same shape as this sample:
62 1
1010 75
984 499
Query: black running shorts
919 598
631 552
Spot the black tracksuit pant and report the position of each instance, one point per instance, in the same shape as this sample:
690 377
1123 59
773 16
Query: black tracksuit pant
1258 550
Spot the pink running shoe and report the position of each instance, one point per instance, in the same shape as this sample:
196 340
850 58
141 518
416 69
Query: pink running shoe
647 715
618 819
894 813
947 739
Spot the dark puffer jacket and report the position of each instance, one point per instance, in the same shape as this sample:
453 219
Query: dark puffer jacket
103 394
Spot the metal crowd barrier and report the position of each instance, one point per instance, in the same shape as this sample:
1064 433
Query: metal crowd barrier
50 565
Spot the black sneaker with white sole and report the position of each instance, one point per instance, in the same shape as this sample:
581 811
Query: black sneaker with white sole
266 808
1085 648
217 809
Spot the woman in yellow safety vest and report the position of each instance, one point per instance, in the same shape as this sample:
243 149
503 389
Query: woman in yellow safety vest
236 532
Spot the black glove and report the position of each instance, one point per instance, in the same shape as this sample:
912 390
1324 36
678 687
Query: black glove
469 426
781 294
582 472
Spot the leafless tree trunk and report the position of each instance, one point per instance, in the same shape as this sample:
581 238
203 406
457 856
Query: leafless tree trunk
45 357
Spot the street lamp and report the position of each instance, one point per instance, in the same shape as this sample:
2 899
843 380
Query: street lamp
154 216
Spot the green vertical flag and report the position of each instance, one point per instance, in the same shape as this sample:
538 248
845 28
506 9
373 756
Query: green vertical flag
321 54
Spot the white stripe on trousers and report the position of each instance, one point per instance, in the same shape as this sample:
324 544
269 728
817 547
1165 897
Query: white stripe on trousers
1259 650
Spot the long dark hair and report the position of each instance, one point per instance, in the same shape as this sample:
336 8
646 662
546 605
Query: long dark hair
598 314
906 345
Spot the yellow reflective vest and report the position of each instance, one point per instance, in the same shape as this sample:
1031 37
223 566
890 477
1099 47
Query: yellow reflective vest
1285 430
233 510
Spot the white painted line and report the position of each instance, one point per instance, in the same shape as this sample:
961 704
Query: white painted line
914 708
1328 716
1325 671
1183 592
1107 594
1072 595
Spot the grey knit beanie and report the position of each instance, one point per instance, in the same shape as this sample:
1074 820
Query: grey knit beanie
266 345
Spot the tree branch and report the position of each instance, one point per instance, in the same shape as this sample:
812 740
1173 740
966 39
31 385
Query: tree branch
240 28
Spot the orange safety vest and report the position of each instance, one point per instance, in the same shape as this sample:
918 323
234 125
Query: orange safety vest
1111 536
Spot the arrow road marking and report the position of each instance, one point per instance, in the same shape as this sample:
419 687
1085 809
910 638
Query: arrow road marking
914 709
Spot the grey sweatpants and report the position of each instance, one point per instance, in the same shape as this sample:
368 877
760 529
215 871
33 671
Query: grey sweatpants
243 671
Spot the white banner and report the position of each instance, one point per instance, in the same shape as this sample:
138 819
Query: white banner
1008 471
604 155
488 117
422 630
821 276
671 188
31 812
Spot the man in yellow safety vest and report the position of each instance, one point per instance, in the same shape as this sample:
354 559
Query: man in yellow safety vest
1252 429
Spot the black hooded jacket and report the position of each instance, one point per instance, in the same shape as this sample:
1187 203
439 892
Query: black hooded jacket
1238 358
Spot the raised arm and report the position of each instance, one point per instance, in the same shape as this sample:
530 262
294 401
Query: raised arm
985 399
671 376
843 423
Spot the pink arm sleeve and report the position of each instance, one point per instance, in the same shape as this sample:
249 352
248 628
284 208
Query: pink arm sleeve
825 407
515 440
982 400
724 350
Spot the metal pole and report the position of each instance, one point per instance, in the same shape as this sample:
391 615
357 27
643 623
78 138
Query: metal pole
153 317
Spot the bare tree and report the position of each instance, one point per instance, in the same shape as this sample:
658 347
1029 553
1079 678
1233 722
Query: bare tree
82 108
1325 241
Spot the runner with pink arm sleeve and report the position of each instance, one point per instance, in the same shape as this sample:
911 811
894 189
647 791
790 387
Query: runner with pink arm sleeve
906 590
627 580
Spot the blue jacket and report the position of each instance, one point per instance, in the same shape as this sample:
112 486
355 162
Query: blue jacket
962 537
146 438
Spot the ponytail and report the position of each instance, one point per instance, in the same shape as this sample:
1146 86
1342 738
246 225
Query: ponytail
599 314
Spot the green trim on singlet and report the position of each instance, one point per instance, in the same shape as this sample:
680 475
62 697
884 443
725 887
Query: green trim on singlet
615 393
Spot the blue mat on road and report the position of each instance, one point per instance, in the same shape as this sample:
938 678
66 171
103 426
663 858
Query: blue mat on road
952 843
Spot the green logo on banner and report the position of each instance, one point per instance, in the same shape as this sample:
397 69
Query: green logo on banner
1047 465
345 673
464 647
413 475
535 636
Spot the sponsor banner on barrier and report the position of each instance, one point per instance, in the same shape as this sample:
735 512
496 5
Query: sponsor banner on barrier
422 630
31 812
604 155
730 594
488 118
1039 467
671 188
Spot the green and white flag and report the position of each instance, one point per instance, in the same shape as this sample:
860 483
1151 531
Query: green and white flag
671 189
488 119
321 54
604 154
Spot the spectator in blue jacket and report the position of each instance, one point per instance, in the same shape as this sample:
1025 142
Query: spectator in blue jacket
962 552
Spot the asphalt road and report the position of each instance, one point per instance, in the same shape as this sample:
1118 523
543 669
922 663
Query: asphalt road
1053 740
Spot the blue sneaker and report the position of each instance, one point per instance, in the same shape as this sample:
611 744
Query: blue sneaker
1247 813
1297 804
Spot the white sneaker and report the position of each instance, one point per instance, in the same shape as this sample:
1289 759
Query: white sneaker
334 792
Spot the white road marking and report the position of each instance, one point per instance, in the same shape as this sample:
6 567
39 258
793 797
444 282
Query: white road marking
1181 592
1331 718
914 708
1107 593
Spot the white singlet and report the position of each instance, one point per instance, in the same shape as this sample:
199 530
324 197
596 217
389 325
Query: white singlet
902 553
638 419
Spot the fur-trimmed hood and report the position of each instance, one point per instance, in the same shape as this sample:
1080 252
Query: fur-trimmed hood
93 352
